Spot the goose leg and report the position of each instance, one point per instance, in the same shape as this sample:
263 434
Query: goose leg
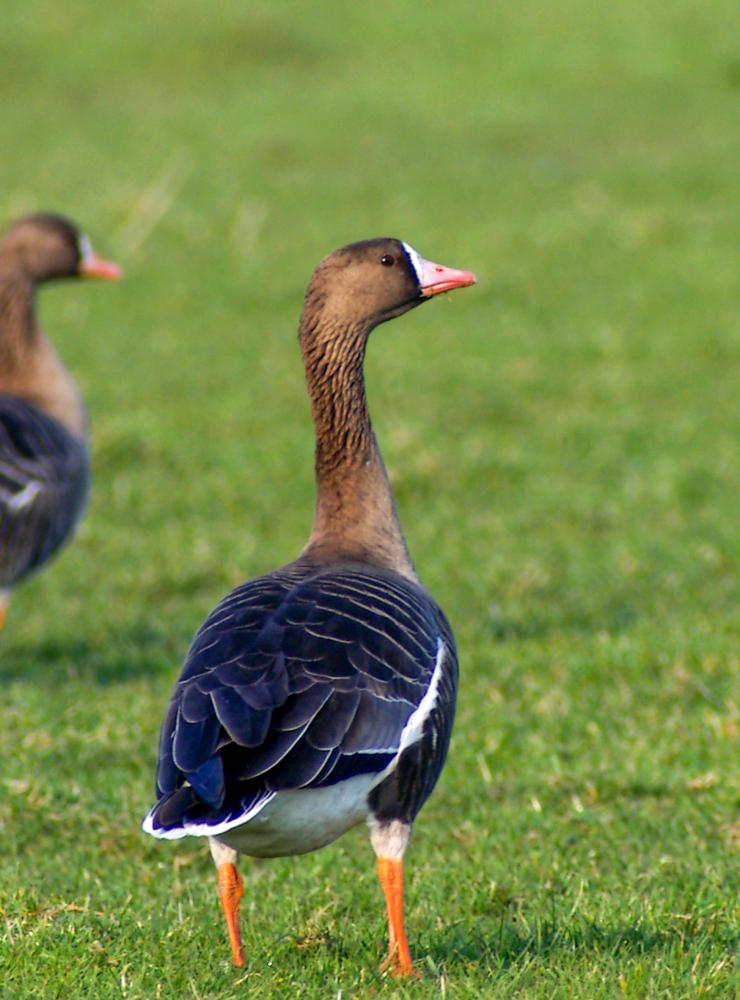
389 841
398 960
3 602
230 890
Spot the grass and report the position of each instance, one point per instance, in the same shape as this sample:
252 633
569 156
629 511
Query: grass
562 442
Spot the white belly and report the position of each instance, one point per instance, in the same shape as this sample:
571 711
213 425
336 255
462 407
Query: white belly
302 820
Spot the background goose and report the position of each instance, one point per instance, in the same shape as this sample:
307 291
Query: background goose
44 463
322 694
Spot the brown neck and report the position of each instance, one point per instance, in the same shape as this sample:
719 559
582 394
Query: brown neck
355 517
29 366
17 319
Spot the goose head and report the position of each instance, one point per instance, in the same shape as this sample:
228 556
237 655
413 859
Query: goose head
364 284
46 246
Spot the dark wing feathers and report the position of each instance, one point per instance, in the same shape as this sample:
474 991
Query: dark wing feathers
297 769
244 725
300 707
372 729
301 678
167 770
331 722
275 748
208 782
44 477
194 704
194 742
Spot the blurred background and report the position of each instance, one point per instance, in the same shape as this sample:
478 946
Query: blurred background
562 442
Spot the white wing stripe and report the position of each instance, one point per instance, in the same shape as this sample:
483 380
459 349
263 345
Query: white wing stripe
25 497
414 728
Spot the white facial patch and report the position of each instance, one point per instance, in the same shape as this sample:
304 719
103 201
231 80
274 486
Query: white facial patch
417 262
85 248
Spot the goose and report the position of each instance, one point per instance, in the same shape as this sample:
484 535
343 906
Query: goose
44 463
321 695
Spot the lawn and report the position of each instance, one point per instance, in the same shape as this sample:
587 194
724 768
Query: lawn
562 440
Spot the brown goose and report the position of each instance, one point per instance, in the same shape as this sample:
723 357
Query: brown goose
322 694
44 464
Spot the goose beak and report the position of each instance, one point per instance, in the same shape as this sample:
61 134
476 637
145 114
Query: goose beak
436 278
95 267
92 266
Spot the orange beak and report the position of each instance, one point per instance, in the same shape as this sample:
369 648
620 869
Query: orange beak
436 278
92 266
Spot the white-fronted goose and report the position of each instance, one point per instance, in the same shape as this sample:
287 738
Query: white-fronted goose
322 694
44 464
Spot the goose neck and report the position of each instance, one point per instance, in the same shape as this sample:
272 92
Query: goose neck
355 516
18 328
30 368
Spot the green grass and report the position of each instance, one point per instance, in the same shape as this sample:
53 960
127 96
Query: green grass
563 446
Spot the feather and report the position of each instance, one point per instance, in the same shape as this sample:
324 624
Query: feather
244 725
194 742
331 723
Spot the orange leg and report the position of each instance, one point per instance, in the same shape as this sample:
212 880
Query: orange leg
398 959
2 617
231 890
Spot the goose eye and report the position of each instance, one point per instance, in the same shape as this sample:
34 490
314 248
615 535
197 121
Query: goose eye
386 260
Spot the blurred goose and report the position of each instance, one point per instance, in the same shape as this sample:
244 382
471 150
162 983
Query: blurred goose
321 695
44 464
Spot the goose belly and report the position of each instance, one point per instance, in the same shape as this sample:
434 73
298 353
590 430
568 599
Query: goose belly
302 819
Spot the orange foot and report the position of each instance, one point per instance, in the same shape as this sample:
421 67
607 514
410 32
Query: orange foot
399 966
398 960
231 890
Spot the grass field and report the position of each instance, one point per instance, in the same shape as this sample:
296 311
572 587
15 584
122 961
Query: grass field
563 446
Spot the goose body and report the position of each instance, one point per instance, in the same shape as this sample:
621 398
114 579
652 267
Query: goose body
44 460
321 695
339 672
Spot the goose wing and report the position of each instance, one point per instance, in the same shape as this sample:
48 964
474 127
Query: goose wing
299 679
43 487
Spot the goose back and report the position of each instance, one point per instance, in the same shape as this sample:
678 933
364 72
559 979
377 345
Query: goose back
307 678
